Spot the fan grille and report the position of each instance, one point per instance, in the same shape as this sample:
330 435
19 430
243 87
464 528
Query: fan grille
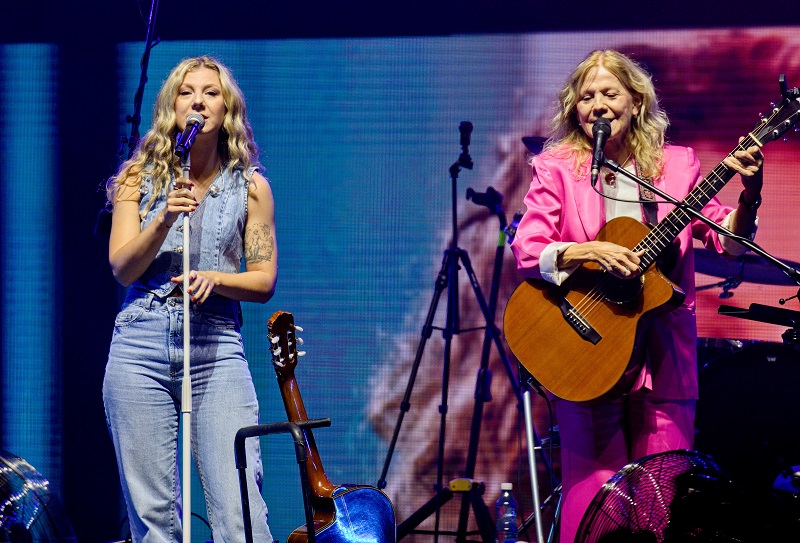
637 503
29 511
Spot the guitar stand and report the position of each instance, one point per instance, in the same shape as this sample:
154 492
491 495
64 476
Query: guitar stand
296 429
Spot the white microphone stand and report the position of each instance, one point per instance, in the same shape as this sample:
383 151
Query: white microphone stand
186 384
532 448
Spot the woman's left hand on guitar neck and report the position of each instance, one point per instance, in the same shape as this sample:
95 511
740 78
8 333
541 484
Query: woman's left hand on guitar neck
749 163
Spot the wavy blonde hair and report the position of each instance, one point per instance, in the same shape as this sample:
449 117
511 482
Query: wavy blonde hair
155 152
646 137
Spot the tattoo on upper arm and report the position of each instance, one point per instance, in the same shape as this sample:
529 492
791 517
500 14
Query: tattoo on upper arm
259 244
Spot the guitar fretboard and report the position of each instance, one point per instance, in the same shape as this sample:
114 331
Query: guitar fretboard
665 232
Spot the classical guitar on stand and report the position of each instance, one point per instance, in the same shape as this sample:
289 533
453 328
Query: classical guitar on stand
342 513
581 339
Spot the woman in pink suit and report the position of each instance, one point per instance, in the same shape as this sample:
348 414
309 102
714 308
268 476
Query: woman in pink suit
556 235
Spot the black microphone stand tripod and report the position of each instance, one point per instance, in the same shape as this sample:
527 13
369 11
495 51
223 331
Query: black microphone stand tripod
448 279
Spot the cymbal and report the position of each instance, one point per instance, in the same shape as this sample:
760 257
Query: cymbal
749 267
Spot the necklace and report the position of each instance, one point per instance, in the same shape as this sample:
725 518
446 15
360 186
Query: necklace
611 178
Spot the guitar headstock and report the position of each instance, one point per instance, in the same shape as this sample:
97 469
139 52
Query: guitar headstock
284 341
782 117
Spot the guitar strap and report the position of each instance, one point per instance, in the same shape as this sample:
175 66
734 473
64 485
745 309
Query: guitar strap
668 257
649 205
646 196
648 199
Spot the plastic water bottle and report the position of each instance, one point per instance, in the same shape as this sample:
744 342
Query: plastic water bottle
506 508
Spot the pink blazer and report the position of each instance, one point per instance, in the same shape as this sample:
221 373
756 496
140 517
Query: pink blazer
562 206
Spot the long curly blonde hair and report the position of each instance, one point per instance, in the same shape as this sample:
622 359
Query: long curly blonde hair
646 137
155 152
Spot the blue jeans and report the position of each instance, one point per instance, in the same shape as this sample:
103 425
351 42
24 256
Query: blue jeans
142 397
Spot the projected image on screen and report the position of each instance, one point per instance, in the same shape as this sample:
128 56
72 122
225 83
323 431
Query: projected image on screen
357 137
703 89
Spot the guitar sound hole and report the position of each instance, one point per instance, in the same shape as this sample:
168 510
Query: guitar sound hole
621 291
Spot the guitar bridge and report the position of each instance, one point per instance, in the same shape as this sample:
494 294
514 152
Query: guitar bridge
578 323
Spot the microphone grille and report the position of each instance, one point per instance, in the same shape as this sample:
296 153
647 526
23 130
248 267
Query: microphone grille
601 125
195 118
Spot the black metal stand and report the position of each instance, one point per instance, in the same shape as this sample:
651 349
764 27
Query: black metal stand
770 315
102 225
296 429
448 279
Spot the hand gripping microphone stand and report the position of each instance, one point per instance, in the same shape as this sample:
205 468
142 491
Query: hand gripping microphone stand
194 123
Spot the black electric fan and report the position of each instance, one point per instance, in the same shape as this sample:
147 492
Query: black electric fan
29 510
675 496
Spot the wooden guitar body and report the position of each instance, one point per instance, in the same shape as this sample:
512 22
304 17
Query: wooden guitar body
579 340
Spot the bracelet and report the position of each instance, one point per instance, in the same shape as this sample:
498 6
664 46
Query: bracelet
752 206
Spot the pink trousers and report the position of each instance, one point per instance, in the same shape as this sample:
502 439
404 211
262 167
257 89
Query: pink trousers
599 438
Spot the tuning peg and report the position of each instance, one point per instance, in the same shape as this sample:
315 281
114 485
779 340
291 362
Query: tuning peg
299 341
274 339
301 353
298 328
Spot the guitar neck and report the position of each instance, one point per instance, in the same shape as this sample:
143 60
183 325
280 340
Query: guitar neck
292 400
321 486
282 334
665 232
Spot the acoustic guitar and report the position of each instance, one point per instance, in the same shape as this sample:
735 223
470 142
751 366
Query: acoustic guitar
584 339
342 513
